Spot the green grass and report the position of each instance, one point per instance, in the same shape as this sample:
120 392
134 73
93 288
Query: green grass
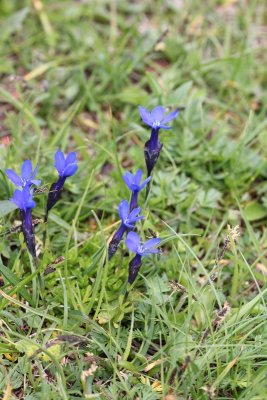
72 75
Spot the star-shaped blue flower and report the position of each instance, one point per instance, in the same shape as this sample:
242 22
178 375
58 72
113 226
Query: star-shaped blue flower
23 199
65 166
133 242
133 181
156 118
27 175
129 218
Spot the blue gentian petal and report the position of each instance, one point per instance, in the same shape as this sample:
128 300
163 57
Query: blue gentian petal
138 177
145 182
151 243
127 177
14 177
59 161
148 252
132 241
26 170
170 117
35 182
134 212
17 198
69 170
71 158
129 225
123 209
157 113
35 172
31 204
145 115
135 219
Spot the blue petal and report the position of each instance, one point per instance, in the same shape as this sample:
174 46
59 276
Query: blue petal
132 241
145 182
71 158
134 212
59 161
35 171
138 177
123 209
31 204
148 252
69 170
18 199
165 127
14 177
28 202
151 243
26 170
145 115
35 182
128 179
128 225
170 117
132 220
157 113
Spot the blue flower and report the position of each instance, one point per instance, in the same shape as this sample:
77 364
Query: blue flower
23 199
156 118
27 175
65 166
134 181
134 184
129 218
133 242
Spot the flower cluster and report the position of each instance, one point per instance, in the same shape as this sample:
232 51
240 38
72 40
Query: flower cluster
23 198
129 213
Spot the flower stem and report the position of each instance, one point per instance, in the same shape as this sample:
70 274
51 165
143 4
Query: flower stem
134 198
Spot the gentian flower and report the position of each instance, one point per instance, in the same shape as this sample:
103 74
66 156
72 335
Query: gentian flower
133 242
133 181
128 220
27 175
156 120
66 167
23 199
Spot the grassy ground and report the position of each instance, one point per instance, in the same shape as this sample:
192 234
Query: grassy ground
194 325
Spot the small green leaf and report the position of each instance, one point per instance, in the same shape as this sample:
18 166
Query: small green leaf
255 211
23 346
6 207
13 23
